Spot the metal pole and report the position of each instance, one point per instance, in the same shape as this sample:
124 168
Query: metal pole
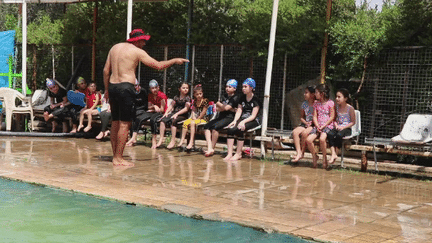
283 91
221 72
24 48
189 26
326 39
269 73
193 68
129 18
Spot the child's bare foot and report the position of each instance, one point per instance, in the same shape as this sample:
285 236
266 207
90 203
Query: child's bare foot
333 159
79 128
180 144
87 128
209 153
236 157
190 146
122 162
228 157
73 130
100 135
131 142
298 157
106 133
171 145
154 146
46 116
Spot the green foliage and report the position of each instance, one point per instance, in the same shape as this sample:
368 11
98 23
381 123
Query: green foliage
357 35
8 17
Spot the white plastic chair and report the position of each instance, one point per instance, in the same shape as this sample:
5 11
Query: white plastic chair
355 133
417 129
8 97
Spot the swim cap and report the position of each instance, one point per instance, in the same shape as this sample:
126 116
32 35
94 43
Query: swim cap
50 83
232 83
153 83
81 80
250 82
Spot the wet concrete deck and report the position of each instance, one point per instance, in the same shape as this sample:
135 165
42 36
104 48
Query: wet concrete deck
336 205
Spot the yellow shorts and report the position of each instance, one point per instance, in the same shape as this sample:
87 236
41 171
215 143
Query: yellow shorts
197 122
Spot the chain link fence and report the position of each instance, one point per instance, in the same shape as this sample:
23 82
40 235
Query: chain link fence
398 81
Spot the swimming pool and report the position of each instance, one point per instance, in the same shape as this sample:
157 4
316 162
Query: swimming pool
30 213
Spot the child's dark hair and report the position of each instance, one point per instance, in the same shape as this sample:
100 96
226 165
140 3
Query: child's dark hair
324 89
311 88
198 87
181 84
345 94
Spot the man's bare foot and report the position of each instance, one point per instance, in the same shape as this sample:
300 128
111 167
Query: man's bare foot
236 157
131 142
87 128
79 128
298 157
99 136
122 162
332 159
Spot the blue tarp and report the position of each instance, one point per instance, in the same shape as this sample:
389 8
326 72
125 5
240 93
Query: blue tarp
7 44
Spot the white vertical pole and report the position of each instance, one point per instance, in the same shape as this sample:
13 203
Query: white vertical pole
221 72
24 47
269 73
129 18
283 92
53 61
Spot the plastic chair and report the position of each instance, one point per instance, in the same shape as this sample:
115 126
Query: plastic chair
355 133
8 97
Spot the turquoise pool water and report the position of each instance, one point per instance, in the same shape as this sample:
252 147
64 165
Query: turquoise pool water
30 213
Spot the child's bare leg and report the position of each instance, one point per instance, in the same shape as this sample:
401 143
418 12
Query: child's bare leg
303 138
192 135
296 136
81 120
162 127
65 127
238 154
215 136
173 137
323 147
74 128
154 141
310 144
183 136
207 134
230 146
133 139
90 118
333 155
54 125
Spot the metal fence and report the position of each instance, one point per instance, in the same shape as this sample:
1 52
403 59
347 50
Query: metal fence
398 81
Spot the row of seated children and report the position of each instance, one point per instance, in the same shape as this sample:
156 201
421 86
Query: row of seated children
321 119
61 107
237 113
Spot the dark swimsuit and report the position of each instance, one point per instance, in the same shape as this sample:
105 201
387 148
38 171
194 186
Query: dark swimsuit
122 99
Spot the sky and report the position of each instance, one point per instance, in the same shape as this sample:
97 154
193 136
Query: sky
372 3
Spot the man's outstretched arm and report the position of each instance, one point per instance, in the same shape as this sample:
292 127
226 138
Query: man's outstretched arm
147 60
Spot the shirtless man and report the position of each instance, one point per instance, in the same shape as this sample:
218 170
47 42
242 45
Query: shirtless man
119 80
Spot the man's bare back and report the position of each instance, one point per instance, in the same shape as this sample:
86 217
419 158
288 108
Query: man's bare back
124 58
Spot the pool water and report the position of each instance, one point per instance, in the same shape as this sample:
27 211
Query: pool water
30 213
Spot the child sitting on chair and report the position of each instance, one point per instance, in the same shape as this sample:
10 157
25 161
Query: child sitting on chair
58 107
198 116
345 119
93 99
248 116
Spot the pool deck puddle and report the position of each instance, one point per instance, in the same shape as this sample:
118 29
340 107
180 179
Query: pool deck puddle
334 206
